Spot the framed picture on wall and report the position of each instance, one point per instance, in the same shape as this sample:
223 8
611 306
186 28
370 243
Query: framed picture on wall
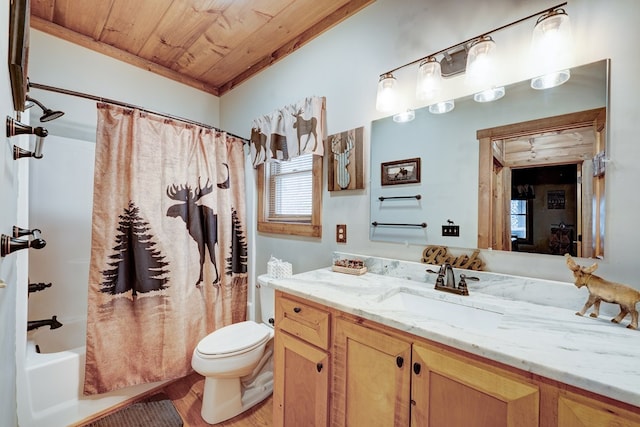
555 199
400 172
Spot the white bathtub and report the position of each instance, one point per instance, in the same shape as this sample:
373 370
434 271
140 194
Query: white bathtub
52 395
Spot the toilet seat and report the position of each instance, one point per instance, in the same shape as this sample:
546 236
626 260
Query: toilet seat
233 340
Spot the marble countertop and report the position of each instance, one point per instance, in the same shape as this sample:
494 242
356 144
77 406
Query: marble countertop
526 323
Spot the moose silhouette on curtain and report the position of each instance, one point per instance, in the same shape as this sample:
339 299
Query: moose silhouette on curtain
201 221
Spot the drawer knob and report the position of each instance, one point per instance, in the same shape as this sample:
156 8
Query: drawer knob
297 309
416 368
399 361
319 367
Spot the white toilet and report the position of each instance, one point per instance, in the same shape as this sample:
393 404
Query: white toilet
236 361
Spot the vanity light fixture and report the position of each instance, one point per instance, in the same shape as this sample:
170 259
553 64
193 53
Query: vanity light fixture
475 57
551 48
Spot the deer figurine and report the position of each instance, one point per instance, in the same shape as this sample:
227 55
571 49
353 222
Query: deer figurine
305 127
604 290
200 220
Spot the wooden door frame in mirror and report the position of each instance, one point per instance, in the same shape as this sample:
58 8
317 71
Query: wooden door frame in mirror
492 180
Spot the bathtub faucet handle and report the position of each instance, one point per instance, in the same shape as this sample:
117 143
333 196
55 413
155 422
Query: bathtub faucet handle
10 244
19 232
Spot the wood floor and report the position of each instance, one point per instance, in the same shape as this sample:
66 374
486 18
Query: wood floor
186 395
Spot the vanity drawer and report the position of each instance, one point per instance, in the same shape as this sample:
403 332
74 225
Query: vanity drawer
302 320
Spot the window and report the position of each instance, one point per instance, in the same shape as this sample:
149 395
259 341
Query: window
290 196
521 220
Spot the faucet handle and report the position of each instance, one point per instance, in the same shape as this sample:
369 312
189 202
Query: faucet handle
462 286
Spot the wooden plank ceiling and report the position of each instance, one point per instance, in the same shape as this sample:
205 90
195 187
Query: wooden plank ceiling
212 45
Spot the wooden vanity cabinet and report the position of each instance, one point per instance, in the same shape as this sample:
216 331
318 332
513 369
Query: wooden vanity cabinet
372 374
301 364
448 389
579 411
385 377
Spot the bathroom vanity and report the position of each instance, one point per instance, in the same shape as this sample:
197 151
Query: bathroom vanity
385 348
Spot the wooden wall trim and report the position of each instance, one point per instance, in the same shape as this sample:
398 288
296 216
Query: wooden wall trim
569 121
485 196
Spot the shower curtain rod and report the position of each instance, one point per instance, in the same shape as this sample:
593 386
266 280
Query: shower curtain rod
126 105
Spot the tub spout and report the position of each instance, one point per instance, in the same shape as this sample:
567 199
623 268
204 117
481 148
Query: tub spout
52 323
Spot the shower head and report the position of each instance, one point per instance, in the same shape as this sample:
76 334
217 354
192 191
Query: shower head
48 114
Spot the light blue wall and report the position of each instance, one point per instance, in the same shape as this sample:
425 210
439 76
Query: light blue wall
344 63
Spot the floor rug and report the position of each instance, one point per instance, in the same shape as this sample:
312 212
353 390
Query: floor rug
156 411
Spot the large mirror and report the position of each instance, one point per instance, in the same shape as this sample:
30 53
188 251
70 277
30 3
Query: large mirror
524 173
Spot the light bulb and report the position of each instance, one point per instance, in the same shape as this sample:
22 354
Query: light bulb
387 97
429 79
481 67
551 48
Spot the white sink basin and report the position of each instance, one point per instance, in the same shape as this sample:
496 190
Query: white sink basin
453 313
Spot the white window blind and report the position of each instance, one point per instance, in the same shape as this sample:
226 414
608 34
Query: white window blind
290 189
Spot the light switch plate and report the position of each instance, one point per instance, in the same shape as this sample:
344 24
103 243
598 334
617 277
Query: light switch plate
341 233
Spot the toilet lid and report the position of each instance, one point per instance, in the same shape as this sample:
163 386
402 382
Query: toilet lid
233 338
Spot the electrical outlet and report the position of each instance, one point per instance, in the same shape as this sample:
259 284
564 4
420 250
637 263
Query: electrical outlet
451 230
341 233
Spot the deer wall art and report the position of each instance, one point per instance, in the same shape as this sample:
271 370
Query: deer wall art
305 127
277 143
603 290
341 150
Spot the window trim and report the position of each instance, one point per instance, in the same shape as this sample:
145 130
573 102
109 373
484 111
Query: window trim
312 229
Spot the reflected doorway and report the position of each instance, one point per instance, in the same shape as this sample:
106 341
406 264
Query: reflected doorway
573 141
544 209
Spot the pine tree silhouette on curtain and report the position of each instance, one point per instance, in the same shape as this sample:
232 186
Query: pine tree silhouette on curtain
137 265
237 262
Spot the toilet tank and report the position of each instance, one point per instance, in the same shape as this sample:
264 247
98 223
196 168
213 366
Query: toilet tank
267 297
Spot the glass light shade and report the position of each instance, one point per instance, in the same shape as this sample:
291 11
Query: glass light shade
404 117
442 107
429 79
489 95
481 67
387 97
550 80
551 43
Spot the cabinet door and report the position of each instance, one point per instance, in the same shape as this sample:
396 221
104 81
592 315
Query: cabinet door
301 383
578 411
372 377
449 390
